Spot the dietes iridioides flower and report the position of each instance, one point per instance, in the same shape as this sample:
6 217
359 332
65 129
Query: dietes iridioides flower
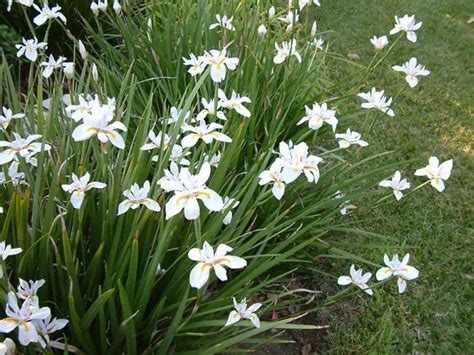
203 131
406 24
376 99
286 49
136 197
98 124
436 172
219 63
379 43
23 318
235 102
356 278
242 312
350 138
412 70
7 116
208 260
46 13
319 114
274 176
188 190
295 160
21 146
79 187
397 268
30 48
397 184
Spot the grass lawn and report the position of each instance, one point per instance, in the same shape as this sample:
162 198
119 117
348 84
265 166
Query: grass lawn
435 314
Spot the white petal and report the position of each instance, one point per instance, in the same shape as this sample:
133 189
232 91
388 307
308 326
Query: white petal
409 272
82 132
123 207
221 273
199 275
191 209
212 201
76 199
174 206
402 285
116 139
383 273
344 280
234 262
234 317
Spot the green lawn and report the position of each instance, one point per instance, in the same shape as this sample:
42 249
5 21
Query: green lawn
435 314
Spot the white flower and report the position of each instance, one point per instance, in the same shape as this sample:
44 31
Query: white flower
85 107
273 175
188 190
47 13
137 196
174 116
78 188
6 250
235 102
7 347
408 25
379 42
7 116
29 290
436 172
303 3
27 3
290 19
160 141
295 160
375 99
349 138
211 108
319 114
100 5
219 63
357 279
21 146
30 48
177 155
207 133
51 65
229 203
98 124
82 50
68 69
396 184
399 269
15 177
318 43
412 70
197 64
117 8
47 326
171 181
212 160
242 312
223 22
208 260
262 30
286 49
23 319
